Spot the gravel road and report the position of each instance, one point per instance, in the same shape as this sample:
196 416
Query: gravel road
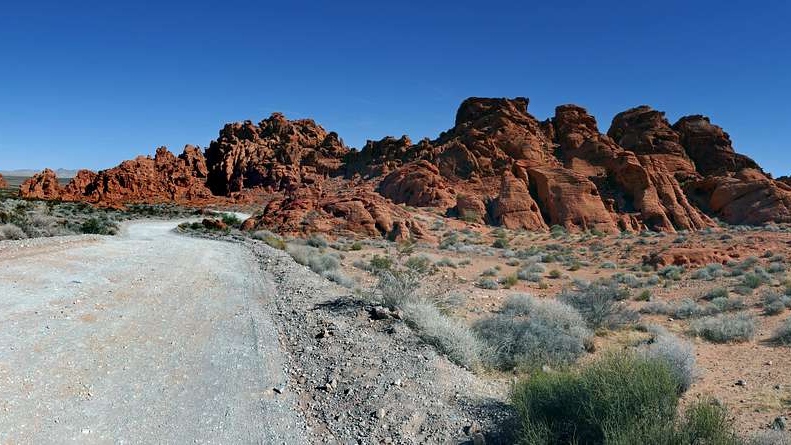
147 337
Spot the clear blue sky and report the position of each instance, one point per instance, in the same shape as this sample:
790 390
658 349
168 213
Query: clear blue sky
88 84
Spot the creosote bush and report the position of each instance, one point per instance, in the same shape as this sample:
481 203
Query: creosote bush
622 398
530 332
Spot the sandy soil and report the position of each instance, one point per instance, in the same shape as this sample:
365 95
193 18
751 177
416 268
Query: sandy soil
148 337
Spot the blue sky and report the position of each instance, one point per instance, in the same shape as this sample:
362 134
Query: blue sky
92 84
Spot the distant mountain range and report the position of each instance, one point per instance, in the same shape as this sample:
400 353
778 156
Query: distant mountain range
61 172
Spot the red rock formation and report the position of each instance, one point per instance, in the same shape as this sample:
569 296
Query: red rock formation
746 197
733 187
350 212
3 183
417 184
497 165
514 208
710 147
43 185
164 178
276 154
686 256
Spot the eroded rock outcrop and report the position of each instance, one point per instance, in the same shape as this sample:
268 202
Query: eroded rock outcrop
417 184
163 178
3 182
42 185
497 165
354 211
277 154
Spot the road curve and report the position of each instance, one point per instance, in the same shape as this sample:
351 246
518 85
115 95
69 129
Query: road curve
147 337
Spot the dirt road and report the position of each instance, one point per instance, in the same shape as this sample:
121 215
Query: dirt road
147 337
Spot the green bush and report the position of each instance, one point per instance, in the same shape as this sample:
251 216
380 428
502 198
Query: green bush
99 226
380 263
617 393
231 220
623 399
419 263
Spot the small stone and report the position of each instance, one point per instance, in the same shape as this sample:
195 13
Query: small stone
380 313
741 382
278 389
380 413
397 382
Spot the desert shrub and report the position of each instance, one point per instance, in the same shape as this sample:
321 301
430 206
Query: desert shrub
231 220
600 305
677 353
782 335
753 280
709 272
555 274
535 268
643 296
687 308
509 281
446 262
718 292
99 226
728 304
530 332
10 232
317 241
608 265
449 336
419 263
356 246
770 437
380 263
628 279
671 272
338 277
703 422
776 267
270 239
313 258
490 272
725 328
774 303
500 243
614 395
425 316
529 276
487 283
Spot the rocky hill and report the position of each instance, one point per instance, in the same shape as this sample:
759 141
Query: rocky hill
498 165
3 183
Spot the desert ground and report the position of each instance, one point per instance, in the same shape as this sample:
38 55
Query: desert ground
125 338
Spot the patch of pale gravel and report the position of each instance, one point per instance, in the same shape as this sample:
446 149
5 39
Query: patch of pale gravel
148 337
